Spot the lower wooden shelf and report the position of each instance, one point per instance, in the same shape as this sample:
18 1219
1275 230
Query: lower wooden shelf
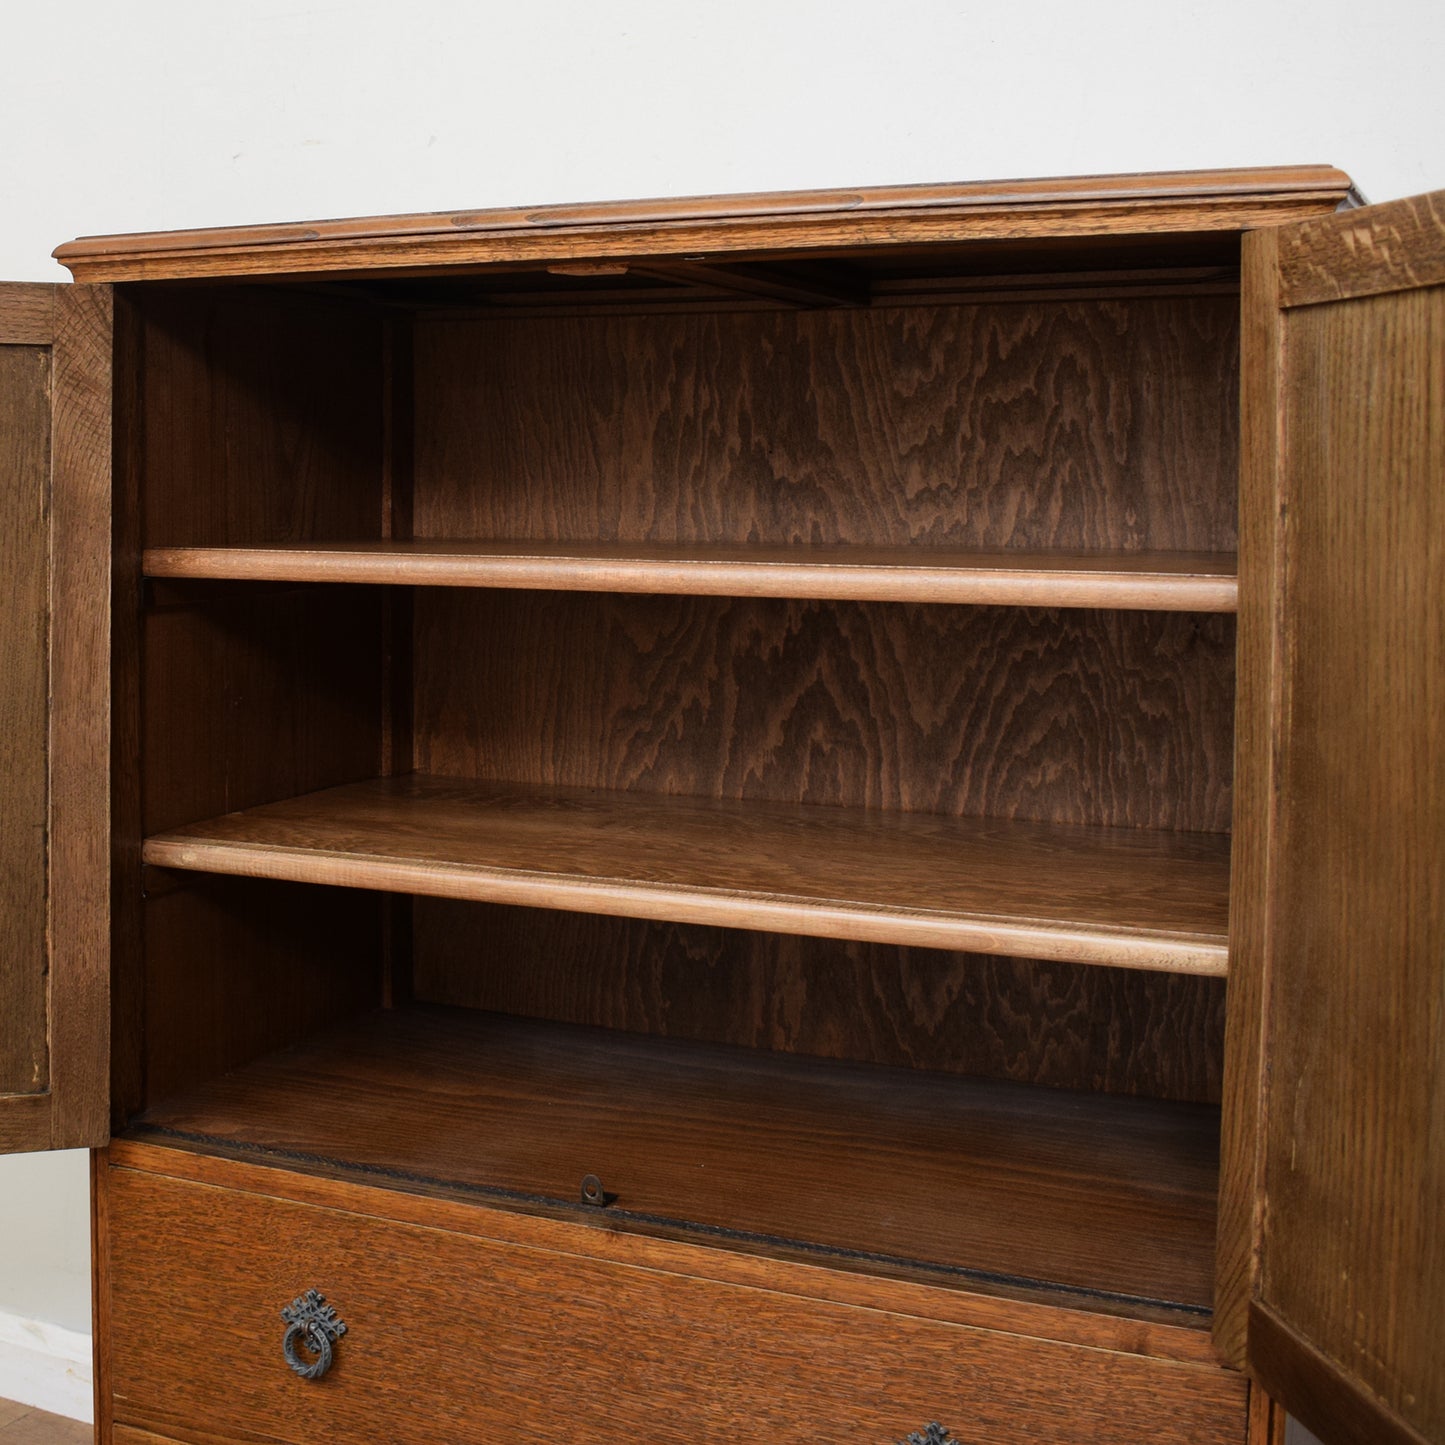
1130 898
1103 1203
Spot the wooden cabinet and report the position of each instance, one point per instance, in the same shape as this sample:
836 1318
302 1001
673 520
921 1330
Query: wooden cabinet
683 782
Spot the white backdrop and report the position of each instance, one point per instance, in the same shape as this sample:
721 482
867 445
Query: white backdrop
158 113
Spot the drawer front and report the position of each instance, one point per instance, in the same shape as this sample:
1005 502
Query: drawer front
453 1338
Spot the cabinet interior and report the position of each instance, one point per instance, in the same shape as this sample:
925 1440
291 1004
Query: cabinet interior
822 903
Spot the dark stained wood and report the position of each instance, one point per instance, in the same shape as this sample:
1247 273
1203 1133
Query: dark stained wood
1353 1255
1261 641
1104 426
1331 1404
253 695
796 286
79 837
802 220
1117 1030
54 897
1132 898
102 1331
238 968
622 1345
27 313
1041 1186
263 417
1179 581
1346 926
24 754
1108 718
1155 1333
1378 249
127 951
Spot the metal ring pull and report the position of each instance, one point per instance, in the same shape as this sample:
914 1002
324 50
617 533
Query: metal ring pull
312 1325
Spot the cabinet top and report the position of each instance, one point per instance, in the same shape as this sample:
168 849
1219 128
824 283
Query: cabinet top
759 224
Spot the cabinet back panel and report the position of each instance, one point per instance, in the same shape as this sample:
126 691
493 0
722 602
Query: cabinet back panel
1090 424
252 694
1064 1026
262 417
239 967
1110 718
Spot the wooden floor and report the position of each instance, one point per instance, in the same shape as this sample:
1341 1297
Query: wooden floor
20 1425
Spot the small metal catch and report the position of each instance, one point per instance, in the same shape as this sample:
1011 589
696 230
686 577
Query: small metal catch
593 1192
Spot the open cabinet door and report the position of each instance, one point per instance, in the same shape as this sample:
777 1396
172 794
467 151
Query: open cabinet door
1332 1261
55 457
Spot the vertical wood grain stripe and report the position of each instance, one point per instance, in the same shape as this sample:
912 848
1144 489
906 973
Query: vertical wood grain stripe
80 719
1256 718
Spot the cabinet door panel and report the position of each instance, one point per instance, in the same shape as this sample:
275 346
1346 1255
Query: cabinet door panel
55 388
1333 1244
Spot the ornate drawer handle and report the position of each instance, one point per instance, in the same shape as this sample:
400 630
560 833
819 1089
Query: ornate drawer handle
931 1434
311 1325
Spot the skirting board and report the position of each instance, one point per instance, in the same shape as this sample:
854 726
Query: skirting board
45 1366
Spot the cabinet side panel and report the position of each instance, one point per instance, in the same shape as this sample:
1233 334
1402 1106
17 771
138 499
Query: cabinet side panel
1099 424
24 628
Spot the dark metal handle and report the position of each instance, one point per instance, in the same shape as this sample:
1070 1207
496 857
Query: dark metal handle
931 1434
312 1325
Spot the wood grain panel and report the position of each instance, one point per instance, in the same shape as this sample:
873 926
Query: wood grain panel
1094 426
24 759
256 694
1127 897
263 418
27 313
1394 247
236 968
1116 719
1093 1195
1120 1031
1258 719
800 220
80 582
1353 1253
1172 581
534 1337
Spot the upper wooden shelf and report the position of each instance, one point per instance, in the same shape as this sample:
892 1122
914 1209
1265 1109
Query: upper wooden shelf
1126 897
1184 582
758 224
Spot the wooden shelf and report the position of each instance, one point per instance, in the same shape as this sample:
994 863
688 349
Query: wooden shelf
1172 581
864 1166
1127 897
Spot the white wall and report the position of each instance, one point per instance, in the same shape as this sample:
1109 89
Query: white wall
160 113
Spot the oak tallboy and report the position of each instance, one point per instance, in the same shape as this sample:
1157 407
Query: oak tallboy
628 822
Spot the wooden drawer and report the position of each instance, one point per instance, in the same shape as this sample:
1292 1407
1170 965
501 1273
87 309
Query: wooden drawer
455 1337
